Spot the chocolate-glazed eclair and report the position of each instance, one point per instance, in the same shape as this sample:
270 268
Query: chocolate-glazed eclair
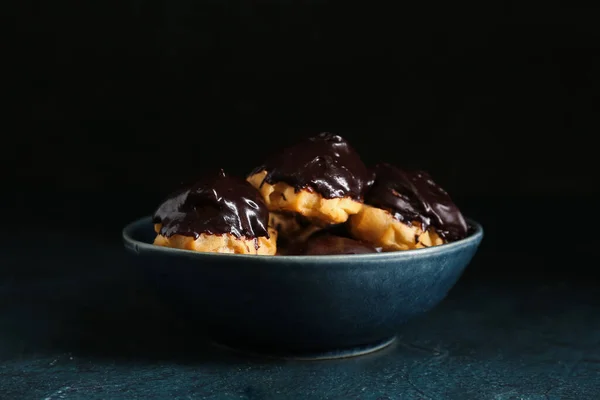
321 178
407 210
292 230
218 214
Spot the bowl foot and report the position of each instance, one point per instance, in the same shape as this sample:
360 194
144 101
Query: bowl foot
310 356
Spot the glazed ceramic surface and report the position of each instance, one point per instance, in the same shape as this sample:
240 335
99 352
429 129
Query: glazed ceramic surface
300 304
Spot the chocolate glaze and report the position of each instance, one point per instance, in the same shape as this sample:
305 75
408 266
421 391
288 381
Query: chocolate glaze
324 244
414 196
217 204
327 244
325 163
333 239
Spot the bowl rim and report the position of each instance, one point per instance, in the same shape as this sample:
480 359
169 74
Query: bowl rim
136 245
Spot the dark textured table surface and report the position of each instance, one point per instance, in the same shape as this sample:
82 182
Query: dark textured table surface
77 323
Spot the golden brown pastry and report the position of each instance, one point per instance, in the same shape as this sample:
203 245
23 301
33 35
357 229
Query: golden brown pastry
321 211
291 225
321 178
218 214
406 210
225 243
379 227
292 231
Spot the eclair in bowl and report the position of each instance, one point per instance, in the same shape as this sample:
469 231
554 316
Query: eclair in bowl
312 255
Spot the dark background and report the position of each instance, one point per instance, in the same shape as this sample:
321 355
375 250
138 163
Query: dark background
112 104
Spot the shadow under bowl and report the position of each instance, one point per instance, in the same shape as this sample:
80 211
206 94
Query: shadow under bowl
301 306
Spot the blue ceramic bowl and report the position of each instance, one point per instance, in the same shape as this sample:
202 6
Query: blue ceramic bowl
301 305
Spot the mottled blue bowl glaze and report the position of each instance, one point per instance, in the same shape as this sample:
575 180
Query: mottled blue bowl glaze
301 304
